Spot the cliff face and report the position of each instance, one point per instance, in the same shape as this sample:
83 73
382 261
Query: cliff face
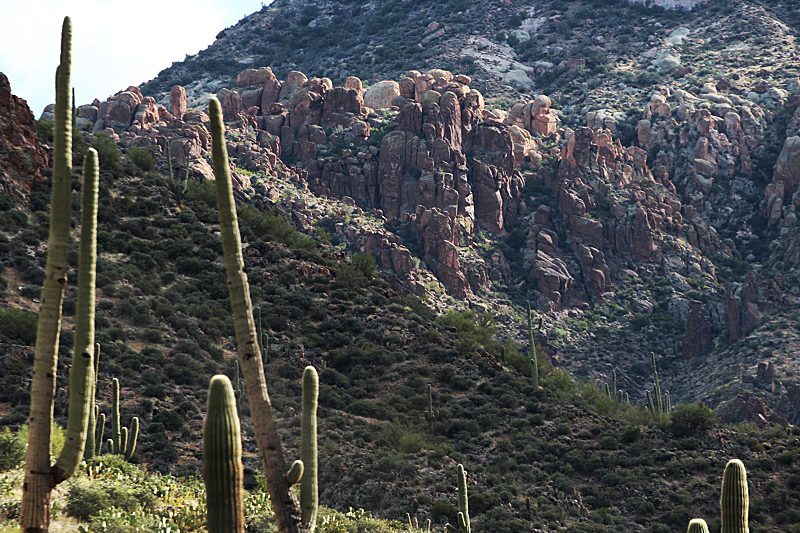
21 158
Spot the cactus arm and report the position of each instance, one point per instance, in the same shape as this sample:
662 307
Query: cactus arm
308 449
734 501
91 447
650 402
81 375
130 441
222 454
116 427
284 502
39 480
667 406
295 473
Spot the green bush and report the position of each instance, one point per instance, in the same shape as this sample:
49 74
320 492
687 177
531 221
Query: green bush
19 325
107 151
691 420
142 158
12 449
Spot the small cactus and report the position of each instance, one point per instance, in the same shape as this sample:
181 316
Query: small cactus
697 525
309 499
463 504
223 472
431 415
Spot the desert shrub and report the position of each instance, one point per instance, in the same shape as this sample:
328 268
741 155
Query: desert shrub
107 151
142 158
12 449
19 325
691 420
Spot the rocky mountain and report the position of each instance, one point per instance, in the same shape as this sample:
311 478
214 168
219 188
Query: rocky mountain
632 170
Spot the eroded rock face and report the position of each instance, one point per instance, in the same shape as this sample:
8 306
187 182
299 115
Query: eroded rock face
21 157
380 95
177 100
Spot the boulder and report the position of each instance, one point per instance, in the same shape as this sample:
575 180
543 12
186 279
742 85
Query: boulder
380 95
254 76
177 100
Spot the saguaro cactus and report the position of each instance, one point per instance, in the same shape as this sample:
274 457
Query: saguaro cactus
308 449
734 501
130 441
284 503
116 427
657 405
91 430
222 454
40 476
534 355
463 504
697 525
431 415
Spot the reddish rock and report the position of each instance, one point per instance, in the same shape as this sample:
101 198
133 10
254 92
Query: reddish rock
121 108
177 100
231 106
699 338
254 76
147 113
21 157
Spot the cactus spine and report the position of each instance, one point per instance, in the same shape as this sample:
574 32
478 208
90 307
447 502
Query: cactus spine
40 476
284 502
734 500
222 454
308 449
534 355
430 415
697 525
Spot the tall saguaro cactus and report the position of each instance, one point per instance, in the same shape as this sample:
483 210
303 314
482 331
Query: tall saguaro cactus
534 355
309 495
222 455
40 476
284 502
735 500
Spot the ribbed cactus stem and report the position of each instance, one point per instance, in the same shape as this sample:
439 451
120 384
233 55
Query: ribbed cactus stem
734 501
91 448
101 428
222 455
656 387
667 407
606 390
431 415
650 402
295 473
309 498
697 525
463 500
109 446
116 427
130 441
40 476
534 355
284 503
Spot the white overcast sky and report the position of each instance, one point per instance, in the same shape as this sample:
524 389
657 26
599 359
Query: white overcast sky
114 43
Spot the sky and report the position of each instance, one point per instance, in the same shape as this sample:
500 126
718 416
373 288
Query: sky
115 44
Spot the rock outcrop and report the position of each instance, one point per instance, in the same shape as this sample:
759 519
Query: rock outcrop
21 157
